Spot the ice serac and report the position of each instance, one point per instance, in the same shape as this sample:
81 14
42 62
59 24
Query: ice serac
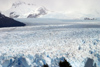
9 22
89 63
36 46
21 9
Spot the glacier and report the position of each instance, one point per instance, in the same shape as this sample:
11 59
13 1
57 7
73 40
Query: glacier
49 42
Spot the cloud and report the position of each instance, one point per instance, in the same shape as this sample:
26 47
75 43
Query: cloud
5 4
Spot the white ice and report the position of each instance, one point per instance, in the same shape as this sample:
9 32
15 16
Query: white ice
49 41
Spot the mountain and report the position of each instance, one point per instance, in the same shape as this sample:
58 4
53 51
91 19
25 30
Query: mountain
9 22
25 10
40 11
21 9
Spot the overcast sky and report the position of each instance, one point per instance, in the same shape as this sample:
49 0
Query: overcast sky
84 6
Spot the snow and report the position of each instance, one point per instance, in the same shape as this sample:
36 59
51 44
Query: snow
42 42
23 10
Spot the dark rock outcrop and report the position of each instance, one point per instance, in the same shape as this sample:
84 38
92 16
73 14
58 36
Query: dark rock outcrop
64 64
89 63
46 65
9 22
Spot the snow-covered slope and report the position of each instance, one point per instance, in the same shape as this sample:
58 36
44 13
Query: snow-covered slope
25 10
21 9
33 46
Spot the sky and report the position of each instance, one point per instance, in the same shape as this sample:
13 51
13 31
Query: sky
69 6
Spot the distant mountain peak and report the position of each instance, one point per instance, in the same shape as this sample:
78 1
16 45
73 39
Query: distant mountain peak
18 3
39 12
42 8
22 9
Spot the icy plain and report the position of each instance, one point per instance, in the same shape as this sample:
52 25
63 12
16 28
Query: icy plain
49 41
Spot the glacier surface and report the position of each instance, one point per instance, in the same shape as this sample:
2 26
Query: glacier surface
35 45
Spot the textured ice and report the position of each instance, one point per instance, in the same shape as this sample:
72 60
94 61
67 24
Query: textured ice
32 46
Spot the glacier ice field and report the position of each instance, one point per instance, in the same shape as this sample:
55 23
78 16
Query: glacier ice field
42 42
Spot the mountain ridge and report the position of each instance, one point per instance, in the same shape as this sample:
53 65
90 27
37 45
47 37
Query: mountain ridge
9 22
25 10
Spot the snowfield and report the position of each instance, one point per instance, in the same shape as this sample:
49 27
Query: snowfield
49 41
